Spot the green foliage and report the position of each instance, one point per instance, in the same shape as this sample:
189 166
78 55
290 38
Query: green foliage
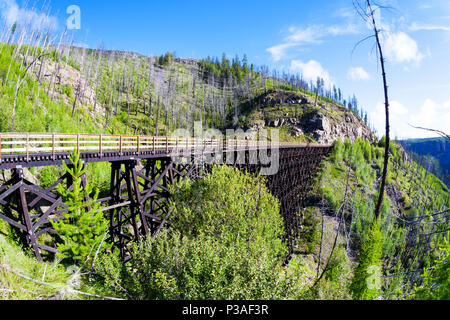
83 226
49 115
366 283
166 59
436 277
67 90
310 233
13 261
235 207
223 70
223 243
335 283
176 267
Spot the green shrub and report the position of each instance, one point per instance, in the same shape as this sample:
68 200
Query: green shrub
67 90
310 233
176 267
224 242
229 205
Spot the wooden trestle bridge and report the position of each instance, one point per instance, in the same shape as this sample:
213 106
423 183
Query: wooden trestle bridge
142 169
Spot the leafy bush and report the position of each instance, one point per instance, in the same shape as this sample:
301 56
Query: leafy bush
224 242
67 90
231 206
310 233
176 267
166 59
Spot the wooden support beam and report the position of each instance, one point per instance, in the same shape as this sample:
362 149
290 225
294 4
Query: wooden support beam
138 200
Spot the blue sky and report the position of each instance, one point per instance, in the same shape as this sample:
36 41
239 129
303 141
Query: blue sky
311 37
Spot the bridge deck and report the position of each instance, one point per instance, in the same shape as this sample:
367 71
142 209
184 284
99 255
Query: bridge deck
44 149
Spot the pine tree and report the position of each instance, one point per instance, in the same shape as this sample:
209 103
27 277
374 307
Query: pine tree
366 284
83 226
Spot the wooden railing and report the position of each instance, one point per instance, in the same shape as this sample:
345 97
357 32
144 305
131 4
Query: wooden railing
34 143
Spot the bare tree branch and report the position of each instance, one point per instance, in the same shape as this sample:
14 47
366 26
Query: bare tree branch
441 133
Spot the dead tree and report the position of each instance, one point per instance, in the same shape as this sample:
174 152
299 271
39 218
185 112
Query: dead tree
369 16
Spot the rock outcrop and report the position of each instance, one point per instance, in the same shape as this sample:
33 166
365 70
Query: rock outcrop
324 123
323 128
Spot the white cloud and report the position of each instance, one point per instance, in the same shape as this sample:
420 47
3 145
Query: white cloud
402 119
397 114
357 73
279 52
427 114
311 70
348 12
428 27
312 34
400 47
447 105
309 35
343 30
11 13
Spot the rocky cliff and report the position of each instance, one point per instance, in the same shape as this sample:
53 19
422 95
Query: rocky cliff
304 116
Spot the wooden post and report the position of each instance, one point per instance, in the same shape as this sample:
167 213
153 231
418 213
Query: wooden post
167 144
120 147
101 146
53 146
154 144
27 146
138 142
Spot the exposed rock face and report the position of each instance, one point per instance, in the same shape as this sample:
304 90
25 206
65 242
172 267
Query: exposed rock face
297 132
278 97
325 122
327 129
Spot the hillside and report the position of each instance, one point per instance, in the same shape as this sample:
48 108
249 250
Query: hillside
413 218
433 154
121 92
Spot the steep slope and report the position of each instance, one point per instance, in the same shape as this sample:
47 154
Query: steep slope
413 218
433 154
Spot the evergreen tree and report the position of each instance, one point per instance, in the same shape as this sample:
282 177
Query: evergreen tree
366 284
83 226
